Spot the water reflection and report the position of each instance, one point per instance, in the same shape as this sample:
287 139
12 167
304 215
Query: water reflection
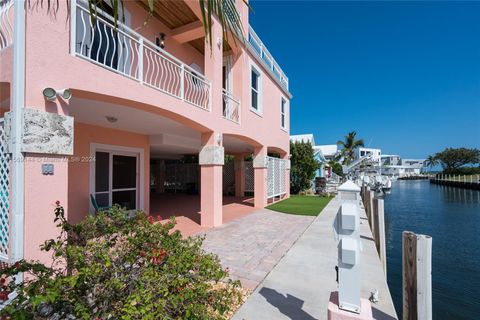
459 195
452 217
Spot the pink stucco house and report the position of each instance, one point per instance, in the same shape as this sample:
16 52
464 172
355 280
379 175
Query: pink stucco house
144 98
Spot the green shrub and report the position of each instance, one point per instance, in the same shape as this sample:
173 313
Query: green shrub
114 266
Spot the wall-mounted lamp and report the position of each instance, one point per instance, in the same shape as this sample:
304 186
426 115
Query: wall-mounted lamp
160 41
51 94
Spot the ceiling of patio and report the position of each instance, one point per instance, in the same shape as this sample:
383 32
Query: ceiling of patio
168 138
234 145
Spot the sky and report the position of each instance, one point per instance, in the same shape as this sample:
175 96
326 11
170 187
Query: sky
404 75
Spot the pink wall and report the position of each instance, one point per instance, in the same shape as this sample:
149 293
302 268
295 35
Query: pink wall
55 67
49 63
78 172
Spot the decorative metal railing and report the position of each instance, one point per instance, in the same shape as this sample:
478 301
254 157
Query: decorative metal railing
124 51
276 177
231 107
6 23
260 49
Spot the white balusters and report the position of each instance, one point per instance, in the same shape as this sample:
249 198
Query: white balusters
124 51
231 107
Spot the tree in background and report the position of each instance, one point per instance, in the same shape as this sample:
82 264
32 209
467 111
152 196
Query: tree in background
348 147
431 162
453 159
303 166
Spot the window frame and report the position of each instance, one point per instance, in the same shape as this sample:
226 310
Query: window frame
283 113
258 90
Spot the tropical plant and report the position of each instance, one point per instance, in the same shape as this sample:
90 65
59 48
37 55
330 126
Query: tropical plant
303 166
347 153
431 162
115 266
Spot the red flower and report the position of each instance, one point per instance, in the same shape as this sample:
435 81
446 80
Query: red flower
57 203
159 218
2 281
210 299
150 219
4 295
16 265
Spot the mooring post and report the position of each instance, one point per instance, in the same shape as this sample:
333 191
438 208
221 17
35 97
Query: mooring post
370 205
417 276
379 231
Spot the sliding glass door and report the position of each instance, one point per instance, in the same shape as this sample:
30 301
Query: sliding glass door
116 179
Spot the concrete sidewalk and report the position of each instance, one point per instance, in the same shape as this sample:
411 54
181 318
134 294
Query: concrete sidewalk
299 286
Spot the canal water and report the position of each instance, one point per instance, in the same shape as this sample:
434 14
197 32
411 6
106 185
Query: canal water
452 217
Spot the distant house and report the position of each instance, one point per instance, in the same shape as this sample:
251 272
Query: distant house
323 153
394 165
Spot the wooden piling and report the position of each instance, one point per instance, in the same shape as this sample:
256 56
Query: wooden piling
379 231
417 276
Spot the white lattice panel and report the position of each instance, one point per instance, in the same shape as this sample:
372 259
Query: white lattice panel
249 176
276 175
4 195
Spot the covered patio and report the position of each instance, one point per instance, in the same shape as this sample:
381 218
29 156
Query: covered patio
186 210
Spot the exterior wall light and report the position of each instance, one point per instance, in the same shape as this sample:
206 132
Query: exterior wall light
51 94
160 41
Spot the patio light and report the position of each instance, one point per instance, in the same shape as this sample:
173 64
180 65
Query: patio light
160 41
51 94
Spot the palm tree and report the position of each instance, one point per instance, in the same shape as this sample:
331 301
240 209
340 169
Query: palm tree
348 147
431 161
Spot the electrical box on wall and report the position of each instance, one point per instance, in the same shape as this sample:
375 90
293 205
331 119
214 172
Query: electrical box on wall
47 169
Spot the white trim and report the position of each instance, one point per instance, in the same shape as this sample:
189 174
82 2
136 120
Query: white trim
256 69
18 167
118 150
227 63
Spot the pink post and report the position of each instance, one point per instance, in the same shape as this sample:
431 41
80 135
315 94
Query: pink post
260 176
211 159
335 313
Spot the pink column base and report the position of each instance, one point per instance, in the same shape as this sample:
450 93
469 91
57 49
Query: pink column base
335 313
211 195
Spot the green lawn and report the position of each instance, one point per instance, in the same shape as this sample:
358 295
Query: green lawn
302 205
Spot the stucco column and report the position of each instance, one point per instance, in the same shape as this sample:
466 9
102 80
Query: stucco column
260 176
211 160
239 165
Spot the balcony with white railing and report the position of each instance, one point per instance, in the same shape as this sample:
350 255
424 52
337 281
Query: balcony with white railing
125 52
231 107
266 57
6 24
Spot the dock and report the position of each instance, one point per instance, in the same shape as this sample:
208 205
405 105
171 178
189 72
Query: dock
466 182
299 286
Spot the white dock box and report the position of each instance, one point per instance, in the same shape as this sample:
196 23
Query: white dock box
349 216
348 251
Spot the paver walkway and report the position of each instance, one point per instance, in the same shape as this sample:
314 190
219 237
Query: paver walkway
252 245
299 286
